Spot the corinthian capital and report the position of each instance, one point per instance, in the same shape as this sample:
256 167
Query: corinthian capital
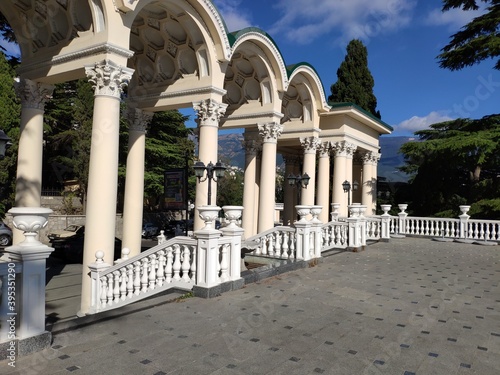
108 78
33 94
310 144
209 112
270 132
138 119
324 149
344 148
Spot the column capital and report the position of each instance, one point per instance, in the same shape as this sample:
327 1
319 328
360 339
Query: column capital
324 149
138 119
270 132
310 144
344 148
252 146
370 157
209 112
33 94
108 78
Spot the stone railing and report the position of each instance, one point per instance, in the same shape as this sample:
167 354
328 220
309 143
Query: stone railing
185 263
278 242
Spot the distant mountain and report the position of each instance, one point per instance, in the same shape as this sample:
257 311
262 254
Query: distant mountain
231 152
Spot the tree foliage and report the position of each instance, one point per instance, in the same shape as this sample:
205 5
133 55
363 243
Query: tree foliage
477 41
454 162
9 123
354 80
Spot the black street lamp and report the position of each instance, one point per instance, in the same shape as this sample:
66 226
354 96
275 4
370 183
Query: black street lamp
299 181
4 143
346 185
214 172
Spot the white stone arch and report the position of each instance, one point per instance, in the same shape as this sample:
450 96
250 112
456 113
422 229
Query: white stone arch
305 73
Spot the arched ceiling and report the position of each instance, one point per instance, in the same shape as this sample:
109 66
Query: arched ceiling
42 27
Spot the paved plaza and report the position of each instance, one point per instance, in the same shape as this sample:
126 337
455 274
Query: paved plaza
411 306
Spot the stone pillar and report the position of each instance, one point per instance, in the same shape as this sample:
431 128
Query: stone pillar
257 190
209 113
369 183
323 191
251 149
108 80
270 133
233 213
343 153
357 162
310 146
134 182
34 96
289 192
376 159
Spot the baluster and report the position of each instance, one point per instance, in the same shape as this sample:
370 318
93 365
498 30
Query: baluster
110 289
264 246
123 284
224 274
185 264
144 276
284 253
193 265
482 233
130 280
104 291
160 274
137 278
344 235
152 271
277 244
169 266
292 245
271 245
258 251
177 263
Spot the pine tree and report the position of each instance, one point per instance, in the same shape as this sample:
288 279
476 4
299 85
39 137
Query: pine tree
355 81
477 41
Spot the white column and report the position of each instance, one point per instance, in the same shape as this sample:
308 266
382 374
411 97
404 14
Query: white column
209 113
310 145
33 97
251 148
270 133
289 192
323 194
369 184
134 180
376 159
343 152
357 175
257 190
108 80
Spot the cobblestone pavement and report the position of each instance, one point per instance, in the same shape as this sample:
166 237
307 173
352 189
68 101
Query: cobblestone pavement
411 306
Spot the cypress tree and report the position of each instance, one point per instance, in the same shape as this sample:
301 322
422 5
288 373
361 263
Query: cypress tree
354 80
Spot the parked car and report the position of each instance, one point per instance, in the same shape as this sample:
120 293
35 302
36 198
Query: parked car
5 235
70 249
149 230
69 231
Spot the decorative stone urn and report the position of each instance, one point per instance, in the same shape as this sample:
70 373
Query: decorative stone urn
232 214
355 209
30 220
208 214
335 211
303 211
402 207
386 208
464 209
315 211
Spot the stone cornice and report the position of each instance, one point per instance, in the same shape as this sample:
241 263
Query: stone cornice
72 56
256 115
169 95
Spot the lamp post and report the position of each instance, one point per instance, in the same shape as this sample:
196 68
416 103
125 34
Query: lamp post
300 182
346 185
214 172
4 143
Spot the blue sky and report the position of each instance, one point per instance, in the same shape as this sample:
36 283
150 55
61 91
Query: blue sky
403 38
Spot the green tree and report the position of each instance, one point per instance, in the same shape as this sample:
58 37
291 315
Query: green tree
9 120
455 162
230 188
354 80
477 41
167 146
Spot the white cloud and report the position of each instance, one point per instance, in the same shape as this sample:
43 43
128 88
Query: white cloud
419 123
453 18
234 15
305 20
